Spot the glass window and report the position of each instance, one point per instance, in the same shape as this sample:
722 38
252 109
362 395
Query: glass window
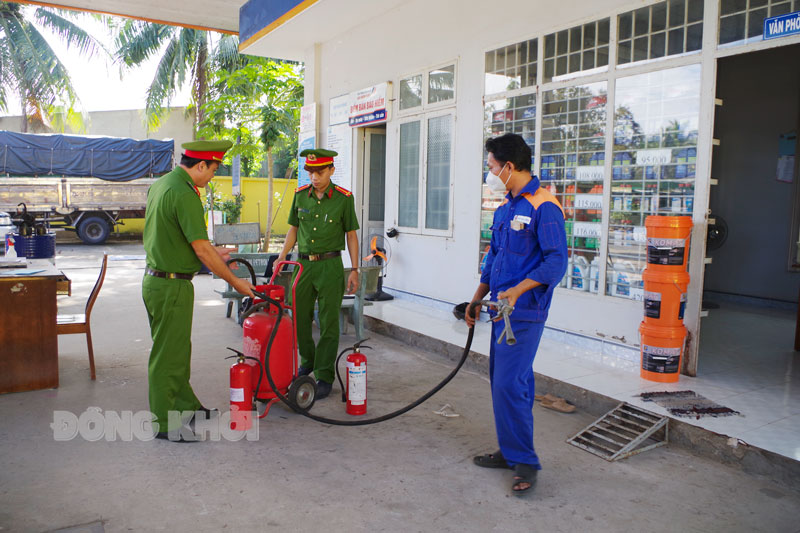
431 173
442 84
663 29
655 152
572 168
509 115
377 176
411 92
437 189
511 67
562 50
409 174
742 21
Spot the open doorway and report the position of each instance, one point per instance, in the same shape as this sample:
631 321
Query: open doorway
751 286
371 191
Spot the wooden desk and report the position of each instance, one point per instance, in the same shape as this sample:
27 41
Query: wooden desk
28 338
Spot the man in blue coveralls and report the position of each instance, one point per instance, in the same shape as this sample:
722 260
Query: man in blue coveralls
526 261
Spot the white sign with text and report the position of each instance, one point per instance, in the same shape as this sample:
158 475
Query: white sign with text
658 156
589 201
589 173
340 140
587 229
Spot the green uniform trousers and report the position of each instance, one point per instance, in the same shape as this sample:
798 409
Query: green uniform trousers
170 304
323 282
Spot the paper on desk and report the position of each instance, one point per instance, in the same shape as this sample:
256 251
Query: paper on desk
22 272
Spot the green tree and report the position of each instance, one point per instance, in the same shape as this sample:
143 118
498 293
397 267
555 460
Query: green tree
185 54
31 70
258 108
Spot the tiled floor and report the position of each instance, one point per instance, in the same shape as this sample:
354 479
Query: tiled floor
746 363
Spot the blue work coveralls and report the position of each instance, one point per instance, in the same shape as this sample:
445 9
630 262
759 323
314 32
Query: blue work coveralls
528 241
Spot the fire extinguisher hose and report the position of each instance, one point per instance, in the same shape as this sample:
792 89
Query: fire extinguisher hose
337 422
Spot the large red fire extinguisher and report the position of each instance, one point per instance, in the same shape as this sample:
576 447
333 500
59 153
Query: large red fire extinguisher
356 383
241 392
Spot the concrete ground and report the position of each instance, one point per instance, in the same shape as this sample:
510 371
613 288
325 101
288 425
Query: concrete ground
414 473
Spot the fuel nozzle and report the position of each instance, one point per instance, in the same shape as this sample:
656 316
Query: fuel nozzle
503 310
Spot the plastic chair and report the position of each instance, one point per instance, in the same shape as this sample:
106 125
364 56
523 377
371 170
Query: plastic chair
72 324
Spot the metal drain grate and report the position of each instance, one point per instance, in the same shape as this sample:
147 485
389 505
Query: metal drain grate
622 432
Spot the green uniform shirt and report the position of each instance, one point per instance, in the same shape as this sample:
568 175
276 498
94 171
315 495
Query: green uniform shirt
174 219
322 222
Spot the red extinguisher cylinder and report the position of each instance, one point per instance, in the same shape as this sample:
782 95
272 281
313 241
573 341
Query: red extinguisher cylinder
241 396
356 384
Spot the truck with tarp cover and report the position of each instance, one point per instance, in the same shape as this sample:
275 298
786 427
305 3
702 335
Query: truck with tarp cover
86 183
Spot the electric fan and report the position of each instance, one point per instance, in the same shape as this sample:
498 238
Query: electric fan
717 232
379 254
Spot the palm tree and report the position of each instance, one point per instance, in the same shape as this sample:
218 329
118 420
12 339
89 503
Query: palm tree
30 68
184 53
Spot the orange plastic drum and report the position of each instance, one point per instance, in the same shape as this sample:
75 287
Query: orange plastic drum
662 352
668 242
664 297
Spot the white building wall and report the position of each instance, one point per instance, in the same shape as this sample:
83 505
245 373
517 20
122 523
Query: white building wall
408 40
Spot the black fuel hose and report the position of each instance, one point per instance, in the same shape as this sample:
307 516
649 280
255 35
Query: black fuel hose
334 421
245 263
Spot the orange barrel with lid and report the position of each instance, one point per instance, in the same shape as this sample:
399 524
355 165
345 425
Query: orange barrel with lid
668 242
664 297
662 352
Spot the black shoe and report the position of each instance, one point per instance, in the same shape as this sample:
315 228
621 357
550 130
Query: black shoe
184 435
209 413
303 371
203 415
323 389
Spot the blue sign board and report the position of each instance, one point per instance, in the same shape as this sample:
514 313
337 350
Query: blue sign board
782 26
368 118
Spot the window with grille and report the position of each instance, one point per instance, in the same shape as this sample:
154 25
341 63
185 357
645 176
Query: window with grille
408 208
426 173
742 21
656 125
435 87
511 67
661 30
508 115
575 50
572 168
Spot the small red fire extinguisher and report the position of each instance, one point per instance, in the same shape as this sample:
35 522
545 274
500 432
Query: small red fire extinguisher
241 392
356 383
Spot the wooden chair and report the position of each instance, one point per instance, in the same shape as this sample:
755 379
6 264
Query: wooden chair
72 324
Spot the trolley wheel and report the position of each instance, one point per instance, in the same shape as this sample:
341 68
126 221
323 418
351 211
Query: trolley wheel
303 392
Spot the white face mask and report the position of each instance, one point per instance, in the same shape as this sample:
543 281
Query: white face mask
495 183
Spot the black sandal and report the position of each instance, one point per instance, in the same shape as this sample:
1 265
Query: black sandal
523 474
491 460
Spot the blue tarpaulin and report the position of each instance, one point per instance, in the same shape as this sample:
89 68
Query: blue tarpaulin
108 158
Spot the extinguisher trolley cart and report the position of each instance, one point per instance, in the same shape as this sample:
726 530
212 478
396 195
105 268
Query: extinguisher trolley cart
258 324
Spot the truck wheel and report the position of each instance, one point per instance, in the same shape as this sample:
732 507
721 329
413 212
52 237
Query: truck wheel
93 230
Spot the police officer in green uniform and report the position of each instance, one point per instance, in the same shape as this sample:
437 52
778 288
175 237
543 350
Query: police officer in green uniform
176 243
322 217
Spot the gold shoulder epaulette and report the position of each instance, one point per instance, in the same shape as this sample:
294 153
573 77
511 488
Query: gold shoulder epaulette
342 190
304 187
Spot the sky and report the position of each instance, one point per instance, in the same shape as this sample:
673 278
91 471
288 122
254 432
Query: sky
98 81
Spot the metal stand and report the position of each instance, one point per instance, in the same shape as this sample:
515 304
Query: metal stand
379 295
